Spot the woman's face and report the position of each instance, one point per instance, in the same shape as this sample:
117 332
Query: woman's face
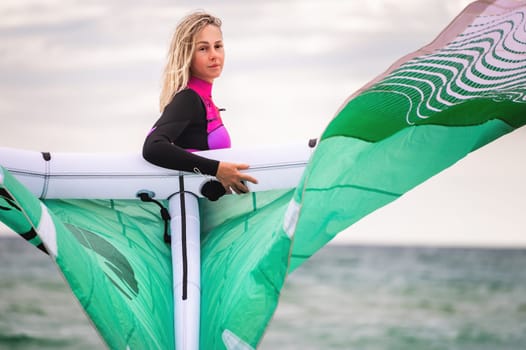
209 54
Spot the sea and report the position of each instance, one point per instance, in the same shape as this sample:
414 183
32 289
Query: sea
345 297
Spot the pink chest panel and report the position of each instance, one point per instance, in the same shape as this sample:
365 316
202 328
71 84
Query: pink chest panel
218 136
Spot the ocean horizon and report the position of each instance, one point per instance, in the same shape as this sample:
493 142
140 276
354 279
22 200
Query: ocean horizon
345 297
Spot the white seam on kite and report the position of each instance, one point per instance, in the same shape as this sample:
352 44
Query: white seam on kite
291 218
233 342
47 232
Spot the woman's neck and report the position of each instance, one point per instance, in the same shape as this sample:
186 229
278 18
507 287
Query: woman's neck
202 87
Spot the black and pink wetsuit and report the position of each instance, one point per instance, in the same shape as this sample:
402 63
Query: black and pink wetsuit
190 122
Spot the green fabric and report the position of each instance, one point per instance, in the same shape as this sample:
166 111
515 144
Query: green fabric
388 113
348 178
422 117
23 217
244 263
114 258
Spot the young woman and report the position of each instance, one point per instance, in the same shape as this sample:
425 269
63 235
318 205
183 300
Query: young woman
190 121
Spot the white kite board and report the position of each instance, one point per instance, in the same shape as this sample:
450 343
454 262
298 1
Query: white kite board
124 175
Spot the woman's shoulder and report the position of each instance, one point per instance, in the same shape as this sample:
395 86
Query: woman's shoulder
186 98
184 101
186 94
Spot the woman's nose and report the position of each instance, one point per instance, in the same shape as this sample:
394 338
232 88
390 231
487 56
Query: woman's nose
213 53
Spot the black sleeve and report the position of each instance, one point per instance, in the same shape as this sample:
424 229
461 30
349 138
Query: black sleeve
181 125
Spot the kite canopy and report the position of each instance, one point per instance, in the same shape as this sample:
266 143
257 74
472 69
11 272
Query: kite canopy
429 110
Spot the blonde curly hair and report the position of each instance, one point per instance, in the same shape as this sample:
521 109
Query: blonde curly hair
177 71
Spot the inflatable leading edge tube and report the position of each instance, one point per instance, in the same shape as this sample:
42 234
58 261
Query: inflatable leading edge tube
186 264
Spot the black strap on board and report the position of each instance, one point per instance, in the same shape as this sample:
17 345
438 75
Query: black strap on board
147 196
183 238
47 158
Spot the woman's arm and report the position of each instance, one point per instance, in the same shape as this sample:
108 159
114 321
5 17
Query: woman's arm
175 127
158 149
179 128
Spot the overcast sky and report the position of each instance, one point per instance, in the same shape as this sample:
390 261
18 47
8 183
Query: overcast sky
84 76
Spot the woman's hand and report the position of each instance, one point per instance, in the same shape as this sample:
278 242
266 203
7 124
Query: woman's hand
232 178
